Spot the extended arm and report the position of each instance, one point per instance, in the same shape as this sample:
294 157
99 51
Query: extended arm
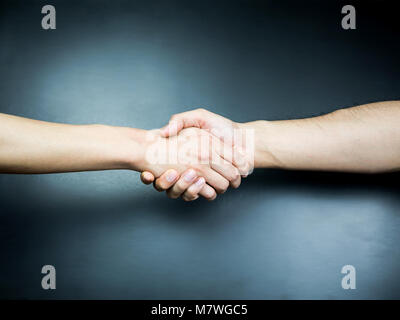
363 139
31 146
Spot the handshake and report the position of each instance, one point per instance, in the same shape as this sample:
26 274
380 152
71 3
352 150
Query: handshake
198 153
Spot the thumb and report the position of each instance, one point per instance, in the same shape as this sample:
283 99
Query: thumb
172 128
182 120
146 177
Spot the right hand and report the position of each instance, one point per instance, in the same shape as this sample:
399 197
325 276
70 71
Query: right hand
195 153
222 128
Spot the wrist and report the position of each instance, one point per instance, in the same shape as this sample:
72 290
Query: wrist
130 151
122 147
263 132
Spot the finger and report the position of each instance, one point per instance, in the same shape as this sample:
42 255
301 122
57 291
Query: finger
208 193
225 169
166 180
232 155
235 156
193 118
192 193
146 177
214 179
236 183
185 181
240 161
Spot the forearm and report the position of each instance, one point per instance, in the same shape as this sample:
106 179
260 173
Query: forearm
359 139
30 146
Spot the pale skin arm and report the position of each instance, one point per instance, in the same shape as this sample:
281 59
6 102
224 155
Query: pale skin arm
363 139
31 146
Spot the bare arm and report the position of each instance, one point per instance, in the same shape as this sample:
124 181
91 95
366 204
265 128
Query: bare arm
363 139
359 139
31 146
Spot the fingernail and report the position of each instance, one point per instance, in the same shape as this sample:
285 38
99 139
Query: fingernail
190 175
171 176
147 176
200 182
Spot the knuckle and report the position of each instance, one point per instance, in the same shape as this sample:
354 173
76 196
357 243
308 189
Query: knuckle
163 185
190 193
188 198
236 183
172 195
208 193
223 186
222 191
179 187
228 175
247 167
158 186
233 175
244 169
211 197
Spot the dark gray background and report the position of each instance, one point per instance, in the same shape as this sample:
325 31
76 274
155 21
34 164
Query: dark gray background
135 63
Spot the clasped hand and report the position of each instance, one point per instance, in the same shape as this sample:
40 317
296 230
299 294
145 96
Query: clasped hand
197 154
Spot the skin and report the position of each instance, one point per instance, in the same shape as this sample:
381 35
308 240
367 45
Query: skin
220 127
363 139
31 146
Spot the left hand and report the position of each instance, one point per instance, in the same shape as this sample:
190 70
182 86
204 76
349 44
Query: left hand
220 127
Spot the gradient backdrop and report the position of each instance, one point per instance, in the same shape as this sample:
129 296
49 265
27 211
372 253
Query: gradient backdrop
282 235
